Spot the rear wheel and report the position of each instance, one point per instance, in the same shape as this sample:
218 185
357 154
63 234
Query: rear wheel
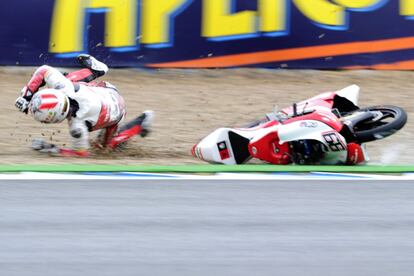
385 121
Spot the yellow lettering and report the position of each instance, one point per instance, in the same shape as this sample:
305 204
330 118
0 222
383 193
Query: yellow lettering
67 26
359 4
322 12
120 23
69 19
407 7
272 15
219 21
156 17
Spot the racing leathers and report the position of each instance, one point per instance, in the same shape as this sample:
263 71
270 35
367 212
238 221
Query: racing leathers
93 106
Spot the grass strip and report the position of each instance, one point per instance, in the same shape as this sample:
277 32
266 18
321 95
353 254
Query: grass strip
207 168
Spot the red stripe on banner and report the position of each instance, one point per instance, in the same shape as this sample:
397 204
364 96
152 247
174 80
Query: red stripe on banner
309 52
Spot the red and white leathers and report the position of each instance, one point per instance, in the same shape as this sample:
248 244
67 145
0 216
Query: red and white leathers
93 106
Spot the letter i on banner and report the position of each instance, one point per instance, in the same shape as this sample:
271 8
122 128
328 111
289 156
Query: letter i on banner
273 17
221 22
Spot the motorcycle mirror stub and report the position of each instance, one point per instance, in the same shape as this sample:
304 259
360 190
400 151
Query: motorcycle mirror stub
295 110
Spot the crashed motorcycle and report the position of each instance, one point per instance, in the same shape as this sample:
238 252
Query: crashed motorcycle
328 129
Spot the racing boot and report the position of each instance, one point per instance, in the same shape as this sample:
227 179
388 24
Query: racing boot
92 69
146 123
97 67
140 125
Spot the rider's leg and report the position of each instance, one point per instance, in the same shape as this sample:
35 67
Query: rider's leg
140 125
83 75
105 135
93 69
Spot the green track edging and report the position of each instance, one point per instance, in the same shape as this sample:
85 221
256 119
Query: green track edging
206 168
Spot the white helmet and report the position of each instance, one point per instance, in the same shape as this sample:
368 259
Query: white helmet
49 106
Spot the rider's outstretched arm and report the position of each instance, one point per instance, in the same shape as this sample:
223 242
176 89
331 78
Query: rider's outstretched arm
44 75
80 141
47 75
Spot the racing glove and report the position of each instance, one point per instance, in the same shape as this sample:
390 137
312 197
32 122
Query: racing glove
22 104
42 146
27 93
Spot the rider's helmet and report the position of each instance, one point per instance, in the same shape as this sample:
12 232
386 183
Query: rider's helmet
49 106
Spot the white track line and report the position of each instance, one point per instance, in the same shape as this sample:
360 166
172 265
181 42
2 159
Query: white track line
218 176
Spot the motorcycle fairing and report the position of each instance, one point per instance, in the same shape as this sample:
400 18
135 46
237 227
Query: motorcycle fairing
334 143
350 93
344 100
239 145
267 147
220 145
357 154
225 145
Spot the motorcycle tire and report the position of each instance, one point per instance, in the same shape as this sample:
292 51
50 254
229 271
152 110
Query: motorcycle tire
392 119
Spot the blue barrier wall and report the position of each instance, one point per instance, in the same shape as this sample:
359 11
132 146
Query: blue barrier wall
210 33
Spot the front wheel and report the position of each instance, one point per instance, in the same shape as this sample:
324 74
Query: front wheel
384 121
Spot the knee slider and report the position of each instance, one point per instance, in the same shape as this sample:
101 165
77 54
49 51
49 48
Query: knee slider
76 133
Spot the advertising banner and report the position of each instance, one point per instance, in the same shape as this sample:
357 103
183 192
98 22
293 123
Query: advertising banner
320 34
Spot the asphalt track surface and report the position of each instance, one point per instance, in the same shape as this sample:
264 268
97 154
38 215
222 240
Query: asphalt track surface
177 227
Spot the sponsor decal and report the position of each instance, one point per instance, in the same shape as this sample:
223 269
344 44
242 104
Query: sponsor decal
223 150
308 124
199 153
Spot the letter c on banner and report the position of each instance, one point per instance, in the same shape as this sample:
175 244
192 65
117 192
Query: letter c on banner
323 13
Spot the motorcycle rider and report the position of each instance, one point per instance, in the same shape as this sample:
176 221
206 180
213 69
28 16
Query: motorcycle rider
87 105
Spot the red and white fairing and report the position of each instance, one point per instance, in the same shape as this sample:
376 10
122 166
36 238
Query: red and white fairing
216 147
271 141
